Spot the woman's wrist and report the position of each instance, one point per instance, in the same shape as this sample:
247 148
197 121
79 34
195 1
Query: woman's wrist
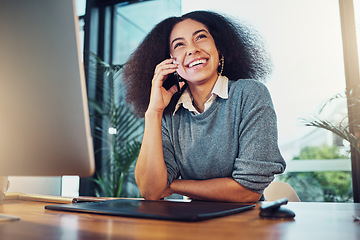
151 113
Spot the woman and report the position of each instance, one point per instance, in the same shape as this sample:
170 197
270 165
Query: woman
216 140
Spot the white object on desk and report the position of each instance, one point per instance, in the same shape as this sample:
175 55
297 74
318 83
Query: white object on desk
4 185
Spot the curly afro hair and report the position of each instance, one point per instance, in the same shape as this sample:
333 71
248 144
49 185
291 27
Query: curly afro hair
242 47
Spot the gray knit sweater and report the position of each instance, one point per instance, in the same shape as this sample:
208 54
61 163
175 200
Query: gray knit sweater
234 137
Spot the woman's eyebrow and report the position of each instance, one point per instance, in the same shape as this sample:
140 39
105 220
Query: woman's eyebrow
176 39
196 32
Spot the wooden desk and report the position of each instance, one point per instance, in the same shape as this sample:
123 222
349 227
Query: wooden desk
312 221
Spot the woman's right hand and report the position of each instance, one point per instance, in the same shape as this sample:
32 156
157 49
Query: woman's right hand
150 170
160 97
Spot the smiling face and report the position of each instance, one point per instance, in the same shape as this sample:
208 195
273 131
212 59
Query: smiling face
194 49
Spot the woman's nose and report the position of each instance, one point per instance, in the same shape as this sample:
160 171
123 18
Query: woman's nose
192 50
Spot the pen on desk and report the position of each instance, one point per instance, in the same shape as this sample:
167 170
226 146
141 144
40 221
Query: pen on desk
45 198
91 199
87 199
97 199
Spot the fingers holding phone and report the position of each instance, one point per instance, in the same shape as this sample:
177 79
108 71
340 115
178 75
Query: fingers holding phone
161 96
163 69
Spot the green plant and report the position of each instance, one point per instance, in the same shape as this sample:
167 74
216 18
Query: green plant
347 129
116 126
334 186
341 128
320 152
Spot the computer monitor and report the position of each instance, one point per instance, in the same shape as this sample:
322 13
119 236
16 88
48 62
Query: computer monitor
44 119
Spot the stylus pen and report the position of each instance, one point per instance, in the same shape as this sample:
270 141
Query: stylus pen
89 199
98 199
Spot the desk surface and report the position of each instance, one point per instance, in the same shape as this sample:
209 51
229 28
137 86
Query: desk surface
312 221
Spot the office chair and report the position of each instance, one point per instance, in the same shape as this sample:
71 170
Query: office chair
277 190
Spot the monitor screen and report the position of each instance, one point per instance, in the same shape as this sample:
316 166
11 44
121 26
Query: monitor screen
44 119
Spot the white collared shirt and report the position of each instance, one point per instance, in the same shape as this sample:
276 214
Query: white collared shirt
220 89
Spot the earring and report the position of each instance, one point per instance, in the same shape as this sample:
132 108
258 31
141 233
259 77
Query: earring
221 65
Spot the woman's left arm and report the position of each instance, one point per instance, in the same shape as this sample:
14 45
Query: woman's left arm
216 189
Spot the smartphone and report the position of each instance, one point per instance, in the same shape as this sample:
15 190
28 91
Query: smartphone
171 80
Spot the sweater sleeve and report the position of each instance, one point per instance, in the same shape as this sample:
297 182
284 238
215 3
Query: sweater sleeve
259 158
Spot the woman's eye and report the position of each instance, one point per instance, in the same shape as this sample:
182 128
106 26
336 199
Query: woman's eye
178 45
201 36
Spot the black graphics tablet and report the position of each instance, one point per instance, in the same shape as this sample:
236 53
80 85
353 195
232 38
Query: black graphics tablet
164 210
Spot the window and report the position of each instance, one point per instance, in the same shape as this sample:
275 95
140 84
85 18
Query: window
303 36
112 30
305 41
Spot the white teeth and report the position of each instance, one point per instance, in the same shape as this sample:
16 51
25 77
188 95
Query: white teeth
197 62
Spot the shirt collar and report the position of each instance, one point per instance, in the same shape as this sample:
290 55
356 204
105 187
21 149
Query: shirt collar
220 89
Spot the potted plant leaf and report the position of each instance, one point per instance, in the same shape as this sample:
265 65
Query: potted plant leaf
117 128
342 127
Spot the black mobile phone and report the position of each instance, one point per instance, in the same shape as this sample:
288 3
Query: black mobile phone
171 80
